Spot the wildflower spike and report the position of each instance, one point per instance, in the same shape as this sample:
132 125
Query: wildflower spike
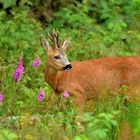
19 70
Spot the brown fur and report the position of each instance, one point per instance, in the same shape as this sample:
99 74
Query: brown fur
87 78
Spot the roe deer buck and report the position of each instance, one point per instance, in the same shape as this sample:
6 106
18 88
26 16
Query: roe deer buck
85 79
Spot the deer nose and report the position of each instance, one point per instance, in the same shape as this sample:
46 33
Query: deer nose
67 67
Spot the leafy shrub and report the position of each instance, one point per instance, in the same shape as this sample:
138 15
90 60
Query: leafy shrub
76 16
19 35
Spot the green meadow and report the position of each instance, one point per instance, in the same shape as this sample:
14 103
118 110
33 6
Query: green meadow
96 28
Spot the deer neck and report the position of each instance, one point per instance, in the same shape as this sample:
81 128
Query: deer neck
51 75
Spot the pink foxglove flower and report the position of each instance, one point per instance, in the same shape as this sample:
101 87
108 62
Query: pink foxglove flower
41 95
66 95
36 62
19 70
1 98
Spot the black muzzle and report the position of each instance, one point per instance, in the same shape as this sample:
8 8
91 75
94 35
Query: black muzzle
67 67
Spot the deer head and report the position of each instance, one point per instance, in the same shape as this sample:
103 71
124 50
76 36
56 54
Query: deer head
57 57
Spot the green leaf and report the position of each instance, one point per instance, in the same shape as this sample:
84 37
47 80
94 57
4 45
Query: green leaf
8 3
7 134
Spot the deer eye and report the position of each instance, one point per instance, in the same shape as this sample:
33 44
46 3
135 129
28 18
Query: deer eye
57 57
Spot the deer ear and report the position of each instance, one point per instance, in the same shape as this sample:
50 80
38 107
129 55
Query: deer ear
45 44
65 44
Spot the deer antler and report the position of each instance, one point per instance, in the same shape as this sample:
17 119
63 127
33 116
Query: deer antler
54 37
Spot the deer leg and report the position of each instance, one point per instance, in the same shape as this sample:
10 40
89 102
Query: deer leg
134 92
78 101
77 97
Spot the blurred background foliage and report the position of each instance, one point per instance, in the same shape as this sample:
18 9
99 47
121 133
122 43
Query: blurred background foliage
97 28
